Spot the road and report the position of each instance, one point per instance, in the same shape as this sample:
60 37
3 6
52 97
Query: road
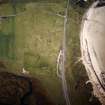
92 46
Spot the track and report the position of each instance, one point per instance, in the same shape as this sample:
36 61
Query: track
62 59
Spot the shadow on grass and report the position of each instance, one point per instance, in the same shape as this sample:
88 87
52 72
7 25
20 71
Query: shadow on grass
22 90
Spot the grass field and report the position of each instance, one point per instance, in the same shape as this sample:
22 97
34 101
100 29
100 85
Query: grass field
32 40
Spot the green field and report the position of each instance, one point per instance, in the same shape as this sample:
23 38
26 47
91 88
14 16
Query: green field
32 40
